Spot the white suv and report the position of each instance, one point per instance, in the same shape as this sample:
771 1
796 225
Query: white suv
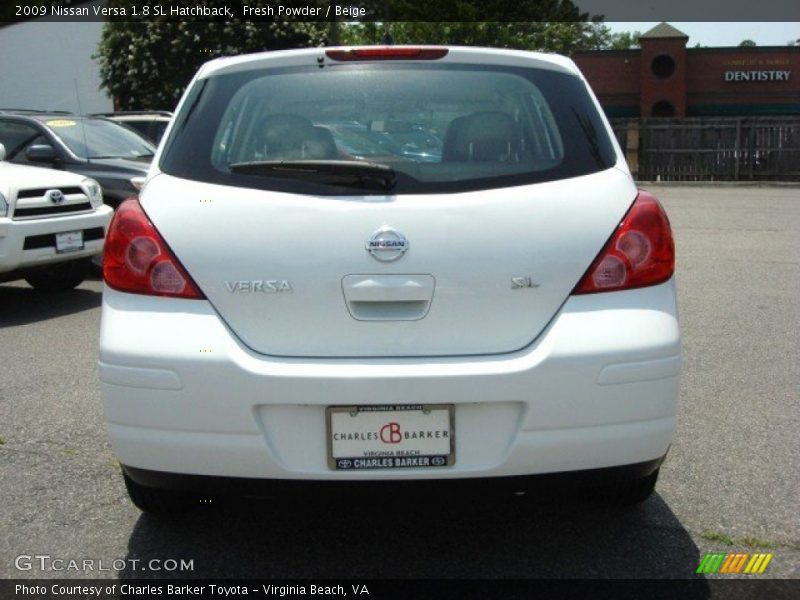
51 225
302 297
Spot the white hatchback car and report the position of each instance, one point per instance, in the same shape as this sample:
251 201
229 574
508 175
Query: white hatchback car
305 294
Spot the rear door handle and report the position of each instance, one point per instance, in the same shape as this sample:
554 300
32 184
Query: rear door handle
388 288
388 297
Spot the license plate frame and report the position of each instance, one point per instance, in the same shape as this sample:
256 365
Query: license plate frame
410 456
69 241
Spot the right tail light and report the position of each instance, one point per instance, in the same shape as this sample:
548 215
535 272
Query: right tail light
640 252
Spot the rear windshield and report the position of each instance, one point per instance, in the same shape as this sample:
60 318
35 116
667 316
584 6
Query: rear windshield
440 127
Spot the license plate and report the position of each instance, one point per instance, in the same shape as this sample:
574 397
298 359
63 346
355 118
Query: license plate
69 241
418 436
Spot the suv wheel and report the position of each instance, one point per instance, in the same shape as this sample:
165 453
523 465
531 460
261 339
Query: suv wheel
61 277
158 501
629 493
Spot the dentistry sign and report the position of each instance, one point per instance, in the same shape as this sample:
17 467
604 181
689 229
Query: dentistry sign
757 75
757 69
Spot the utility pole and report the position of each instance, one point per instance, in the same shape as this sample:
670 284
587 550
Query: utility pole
387 40
333 28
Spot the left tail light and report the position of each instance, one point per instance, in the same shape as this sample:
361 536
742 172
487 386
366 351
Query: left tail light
137 260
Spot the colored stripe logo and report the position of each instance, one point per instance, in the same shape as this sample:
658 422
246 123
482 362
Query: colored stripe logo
734 562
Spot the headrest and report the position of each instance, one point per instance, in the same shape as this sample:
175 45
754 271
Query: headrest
482 136
320 144
283 130
292 137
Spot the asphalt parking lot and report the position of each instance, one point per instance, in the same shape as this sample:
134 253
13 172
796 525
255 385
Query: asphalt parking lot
731 481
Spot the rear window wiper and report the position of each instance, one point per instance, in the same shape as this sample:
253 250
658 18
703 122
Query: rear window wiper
334 172
591 137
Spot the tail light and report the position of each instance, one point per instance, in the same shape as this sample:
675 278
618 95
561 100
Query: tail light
639 253
387 53
138 260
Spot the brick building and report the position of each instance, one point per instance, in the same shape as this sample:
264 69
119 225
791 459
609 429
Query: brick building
666 79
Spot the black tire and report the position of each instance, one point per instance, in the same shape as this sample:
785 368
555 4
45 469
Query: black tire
629 493
61 277
157 501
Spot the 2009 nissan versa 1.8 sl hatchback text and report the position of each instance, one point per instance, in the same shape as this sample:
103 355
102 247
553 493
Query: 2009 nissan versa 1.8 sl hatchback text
389 264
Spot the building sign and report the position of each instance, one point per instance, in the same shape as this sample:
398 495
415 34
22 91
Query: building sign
757 75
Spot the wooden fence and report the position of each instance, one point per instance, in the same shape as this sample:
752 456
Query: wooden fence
712 149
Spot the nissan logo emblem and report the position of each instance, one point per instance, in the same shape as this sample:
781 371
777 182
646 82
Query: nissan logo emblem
387 244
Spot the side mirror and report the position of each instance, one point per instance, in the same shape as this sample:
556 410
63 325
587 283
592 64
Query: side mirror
41 153
2 152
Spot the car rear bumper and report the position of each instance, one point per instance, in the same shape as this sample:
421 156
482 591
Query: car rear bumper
29 244
597 389
535 484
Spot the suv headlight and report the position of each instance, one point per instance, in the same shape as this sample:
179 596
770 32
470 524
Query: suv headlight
94 191
3 206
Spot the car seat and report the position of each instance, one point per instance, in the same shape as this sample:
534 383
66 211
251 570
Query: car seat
482 136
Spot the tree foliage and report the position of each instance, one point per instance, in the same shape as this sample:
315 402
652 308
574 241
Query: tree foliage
476 10
563 37
624 41
147 64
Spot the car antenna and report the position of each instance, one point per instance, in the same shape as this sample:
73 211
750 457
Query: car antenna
82 125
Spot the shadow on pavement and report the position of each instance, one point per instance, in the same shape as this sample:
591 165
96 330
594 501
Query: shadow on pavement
472 537
24 305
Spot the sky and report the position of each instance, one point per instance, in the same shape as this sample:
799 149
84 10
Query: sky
724 34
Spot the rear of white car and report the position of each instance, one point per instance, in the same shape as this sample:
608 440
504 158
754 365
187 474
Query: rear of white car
388 264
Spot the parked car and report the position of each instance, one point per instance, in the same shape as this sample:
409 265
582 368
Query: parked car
414 141
150 123
278 314
356 141
115 155
51 224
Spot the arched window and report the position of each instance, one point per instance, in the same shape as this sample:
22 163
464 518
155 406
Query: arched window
662 108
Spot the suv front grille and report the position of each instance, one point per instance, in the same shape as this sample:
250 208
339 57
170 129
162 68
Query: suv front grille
40 192
45 211
33 203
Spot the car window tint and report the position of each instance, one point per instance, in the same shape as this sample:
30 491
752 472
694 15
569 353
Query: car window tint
17 137
97 138
441 128
158 129
142 127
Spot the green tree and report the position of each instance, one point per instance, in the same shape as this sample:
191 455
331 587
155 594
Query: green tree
625 40
562 36
147 64
473 10
747 44
553 25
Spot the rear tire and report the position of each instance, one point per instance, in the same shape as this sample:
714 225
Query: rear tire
158 501
61 277
629 493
